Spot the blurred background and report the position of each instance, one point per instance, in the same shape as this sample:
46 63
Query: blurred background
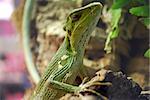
126 46
13 76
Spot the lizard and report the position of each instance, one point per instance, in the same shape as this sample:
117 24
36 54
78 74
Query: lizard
68 60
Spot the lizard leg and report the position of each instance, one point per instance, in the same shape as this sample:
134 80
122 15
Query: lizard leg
72 88
63 86
83 72
57 79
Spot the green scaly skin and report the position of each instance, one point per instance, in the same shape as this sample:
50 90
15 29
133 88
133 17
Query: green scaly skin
64 66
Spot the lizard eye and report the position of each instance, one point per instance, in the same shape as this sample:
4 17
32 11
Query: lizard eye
75 17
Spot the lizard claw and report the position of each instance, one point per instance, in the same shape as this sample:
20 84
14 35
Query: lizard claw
85 87
97 93
89 84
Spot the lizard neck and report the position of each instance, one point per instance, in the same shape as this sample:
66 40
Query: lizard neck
78 44
75 47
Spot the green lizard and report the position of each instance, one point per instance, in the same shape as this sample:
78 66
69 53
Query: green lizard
64 66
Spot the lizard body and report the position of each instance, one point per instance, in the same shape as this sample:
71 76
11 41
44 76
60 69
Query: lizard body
68 60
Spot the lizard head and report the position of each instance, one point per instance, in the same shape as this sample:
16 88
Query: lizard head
80 24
